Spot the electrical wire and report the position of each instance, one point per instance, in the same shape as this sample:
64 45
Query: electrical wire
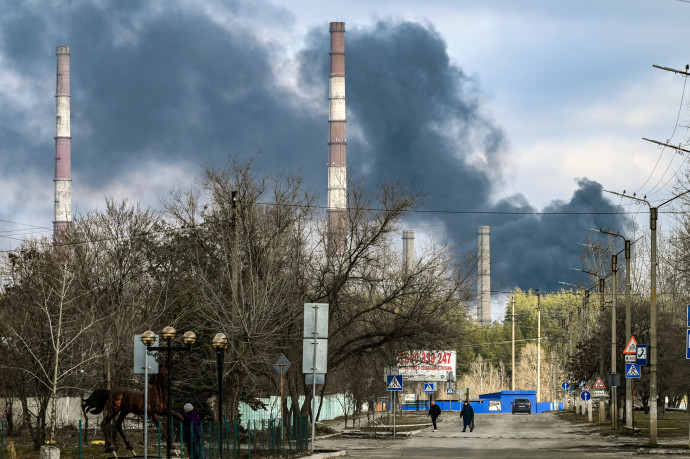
662 148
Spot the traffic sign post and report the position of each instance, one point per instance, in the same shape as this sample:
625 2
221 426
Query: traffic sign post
585 395
315 344
394 383
565 385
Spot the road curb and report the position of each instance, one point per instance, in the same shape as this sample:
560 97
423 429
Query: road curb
328 454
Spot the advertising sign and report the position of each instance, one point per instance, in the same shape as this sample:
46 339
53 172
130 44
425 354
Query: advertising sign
427 365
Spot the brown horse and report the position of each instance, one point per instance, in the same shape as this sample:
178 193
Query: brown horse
125 401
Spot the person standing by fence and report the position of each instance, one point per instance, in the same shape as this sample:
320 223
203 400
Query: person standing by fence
191 432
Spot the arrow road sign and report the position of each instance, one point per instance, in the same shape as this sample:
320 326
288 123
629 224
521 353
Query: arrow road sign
565 385
394 382
585 396
632 370
429 388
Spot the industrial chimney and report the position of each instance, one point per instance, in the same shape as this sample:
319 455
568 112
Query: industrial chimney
484 277
408 251
63 170
337 143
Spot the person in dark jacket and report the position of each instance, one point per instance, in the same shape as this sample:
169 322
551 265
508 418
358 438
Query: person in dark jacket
467 415
434 412
191 431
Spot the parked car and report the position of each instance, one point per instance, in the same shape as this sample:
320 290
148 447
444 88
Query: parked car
522 405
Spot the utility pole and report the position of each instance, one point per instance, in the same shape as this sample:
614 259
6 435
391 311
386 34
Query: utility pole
628 320
538 348
512 376
614 308
653 390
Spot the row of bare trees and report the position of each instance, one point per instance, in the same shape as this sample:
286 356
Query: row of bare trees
239 253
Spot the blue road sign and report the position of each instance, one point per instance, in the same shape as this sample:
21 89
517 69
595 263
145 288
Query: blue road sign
450 391
429 387
632 370
687 346
585 395
642 354
565 385
394 382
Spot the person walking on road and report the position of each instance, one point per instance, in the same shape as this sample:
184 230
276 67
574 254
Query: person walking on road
467 415
434 412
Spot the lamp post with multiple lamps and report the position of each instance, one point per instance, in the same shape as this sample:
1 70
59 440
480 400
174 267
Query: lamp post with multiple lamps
220 343
168 334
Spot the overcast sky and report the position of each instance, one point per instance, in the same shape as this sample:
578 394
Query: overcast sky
503 107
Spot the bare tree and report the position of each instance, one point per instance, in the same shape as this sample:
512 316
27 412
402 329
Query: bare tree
45 321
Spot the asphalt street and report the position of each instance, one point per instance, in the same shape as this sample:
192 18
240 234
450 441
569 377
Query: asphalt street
541 435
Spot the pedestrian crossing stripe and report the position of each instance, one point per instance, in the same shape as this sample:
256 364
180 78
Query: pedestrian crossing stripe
632 372
394 384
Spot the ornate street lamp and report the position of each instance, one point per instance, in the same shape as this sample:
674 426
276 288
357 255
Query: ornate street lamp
220 343
168 334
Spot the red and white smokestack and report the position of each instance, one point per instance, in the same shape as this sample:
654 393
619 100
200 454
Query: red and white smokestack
63 170
337 144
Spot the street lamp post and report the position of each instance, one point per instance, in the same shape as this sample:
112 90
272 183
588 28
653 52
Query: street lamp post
653 391
220 343
168 335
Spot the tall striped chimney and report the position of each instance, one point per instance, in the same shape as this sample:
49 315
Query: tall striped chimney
408 251
63 170
337 143
484 277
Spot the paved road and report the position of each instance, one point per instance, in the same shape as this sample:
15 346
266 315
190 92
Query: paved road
541 435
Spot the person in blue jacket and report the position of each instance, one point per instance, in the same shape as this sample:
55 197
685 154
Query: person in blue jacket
467 415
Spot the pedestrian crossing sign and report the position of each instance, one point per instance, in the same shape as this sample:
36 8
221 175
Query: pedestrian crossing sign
394 382
632 370
429 388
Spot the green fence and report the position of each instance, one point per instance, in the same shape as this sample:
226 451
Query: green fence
241 439
268 438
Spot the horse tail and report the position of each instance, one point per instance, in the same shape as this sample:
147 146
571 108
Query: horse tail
96 402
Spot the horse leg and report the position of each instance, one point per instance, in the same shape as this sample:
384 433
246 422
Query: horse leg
106 433
118 427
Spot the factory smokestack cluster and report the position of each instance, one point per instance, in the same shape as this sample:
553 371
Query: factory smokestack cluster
484 277
63 169
337 143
